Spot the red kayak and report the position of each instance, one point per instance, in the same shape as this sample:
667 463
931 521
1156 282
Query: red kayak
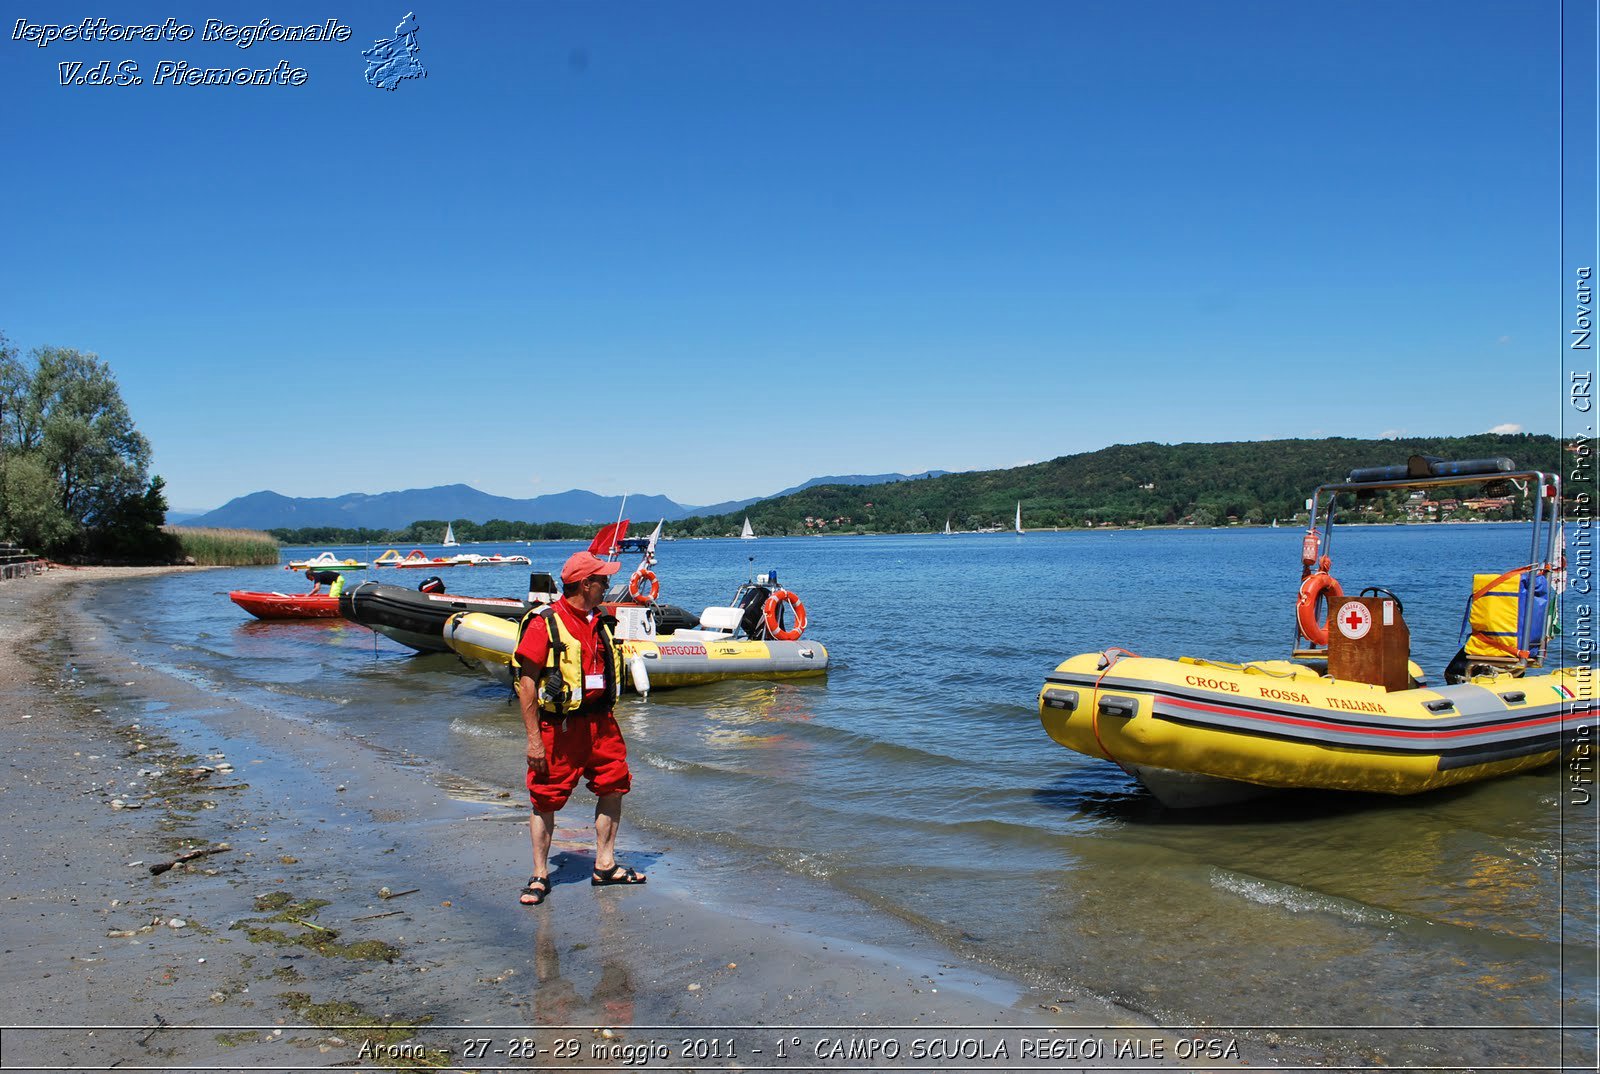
287 605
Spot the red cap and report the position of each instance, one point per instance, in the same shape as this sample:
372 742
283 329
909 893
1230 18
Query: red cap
581 565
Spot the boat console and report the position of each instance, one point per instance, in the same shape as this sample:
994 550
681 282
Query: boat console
1369 642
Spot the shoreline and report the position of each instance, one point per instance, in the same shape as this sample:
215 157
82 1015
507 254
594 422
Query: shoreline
320 823
1163 527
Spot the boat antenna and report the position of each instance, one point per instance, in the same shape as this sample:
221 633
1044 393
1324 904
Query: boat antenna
613 550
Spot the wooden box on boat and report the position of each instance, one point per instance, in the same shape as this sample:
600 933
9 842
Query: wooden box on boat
1378 654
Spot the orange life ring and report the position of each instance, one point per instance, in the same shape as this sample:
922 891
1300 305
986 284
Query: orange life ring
648 578
775 626
1312 589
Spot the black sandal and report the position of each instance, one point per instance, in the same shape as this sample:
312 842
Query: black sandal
617 874
536 895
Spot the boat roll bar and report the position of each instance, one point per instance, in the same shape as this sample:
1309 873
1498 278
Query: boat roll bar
1426 471
1419 466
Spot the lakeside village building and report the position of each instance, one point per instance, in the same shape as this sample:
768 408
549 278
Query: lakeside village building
1419 508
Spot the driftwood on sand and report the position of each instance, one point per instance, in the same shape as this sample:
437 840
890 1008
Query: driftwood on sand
162 866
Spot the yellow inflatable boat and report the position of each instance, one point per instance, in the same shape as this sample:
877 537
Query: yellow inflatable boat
1199 733
683 658
1350 712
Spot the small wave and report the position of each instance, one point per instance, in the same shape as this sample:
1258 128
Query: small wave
666 764
805 864
882 751
1542 858
730 774
1299 900
460 726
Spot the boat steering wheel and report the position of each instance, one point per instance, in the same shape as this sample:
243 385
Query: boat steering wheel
1379 591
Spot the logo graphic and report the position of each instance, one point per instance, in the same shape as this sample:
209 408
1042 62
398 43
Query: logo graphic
393 59
1354 621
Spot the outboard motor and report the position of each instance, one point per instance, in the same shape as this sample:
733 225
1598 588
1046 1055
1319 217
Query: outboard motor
433 584
670 617
542 588
754 623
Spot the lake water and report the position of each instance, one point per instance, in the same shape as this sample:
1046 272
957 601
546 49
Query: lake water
914 788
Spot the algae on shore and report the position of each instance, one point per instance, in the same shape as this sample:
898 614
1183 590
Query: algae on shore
319 938
379 1040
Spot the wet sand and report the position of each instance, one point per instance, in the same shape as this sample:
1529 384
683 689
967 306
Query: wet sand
350 910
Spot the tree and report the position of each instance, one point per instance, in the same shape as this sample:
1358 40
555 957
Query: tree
71 460
12 378
30 514
131 530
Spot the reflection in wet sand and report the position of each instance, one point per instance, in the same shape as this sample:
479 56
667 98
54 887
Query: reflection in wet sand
557 1001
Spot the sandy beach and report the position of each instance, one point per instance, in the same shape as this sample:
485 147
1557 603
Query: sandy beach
194 883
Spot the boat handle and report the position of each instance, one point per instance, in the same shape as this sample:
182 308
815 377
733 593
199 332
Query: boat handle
1438 706
650 656
808 653
1119 706
1514 697
1061 699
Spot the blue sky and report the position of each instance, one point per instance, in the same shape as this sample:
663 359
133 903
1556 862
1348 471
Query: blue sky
710 250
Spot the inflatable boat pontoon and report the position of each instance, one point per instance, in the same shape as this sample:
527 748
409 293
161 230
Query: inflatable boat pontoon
417 619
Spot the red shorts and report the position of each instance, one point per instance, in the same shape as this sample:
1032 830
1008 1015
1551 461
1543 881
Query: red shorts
589 746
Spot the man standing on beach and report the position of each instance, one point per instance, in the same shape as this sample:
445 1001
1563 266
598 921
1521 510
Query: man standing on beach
567 668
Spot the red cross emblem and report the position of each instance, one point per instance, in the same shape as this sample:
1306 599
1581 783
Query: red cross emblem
1354 620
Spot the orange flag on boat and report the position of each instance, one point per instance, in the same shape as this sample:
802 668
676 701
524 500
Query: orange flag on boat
606 541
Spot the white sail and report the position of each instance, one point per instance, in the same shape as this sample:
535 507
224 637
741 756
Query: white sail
947 527
450 537
1019 516
747 534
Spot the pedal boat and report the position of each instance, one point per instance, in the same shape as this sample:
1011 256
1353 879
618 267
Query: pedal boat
1198 732
286 605
417 558
326 561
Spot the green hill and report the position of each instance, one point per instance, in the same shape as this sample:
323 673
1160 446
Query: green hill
1127 484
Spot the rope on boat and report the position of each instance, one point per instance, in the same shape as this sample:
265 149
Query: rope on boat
1094 698
1252 668
1466 616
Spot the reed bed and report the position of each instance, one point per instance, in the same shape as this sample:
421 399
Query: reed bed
226 548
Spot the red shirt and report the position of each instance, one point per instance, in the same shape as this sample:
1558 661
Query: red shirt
535 644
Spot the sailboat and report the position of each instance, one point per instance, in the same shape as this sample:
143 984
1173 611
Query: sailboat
450 537
947 527
1019 516
747 534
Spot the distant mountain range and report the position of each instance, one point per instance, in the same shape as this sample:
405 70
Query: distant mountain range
393 510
